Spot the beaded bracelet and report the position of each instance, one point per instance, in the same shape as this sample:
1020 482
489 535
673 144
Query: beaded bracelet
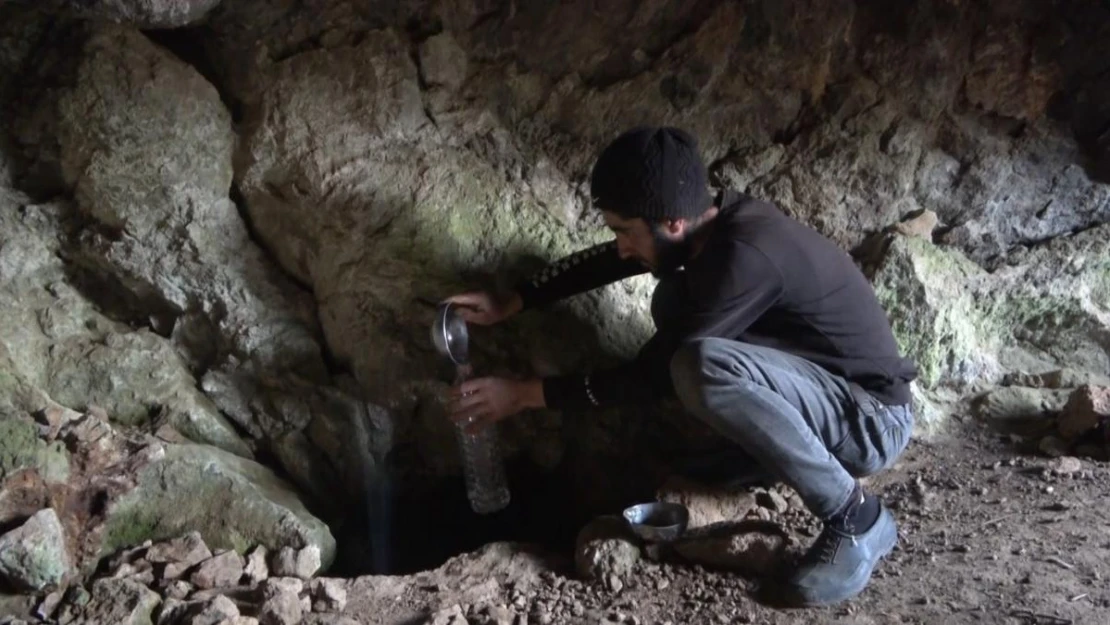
590 393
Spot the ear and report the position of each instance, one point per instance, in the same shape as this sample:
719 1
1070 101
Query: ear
675 227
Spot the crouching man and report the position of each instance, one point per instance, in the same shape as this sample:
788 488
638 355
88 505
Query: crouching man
766 331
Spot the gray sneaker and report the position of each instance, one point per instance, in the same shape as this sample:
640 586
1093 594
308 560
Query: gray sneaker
839 565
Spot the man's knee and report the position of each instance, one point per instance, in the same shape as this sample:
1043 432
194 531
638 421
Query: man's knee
699 364
688 364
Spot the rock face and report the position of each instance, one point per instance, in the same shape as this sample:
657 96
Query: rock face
463 149
139 13
325 438
129 99
61 346
76 270
232 235
57 345
882 130
304 174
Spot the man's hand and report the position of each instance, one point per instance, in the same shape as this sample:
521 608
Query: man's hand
478 403
482 308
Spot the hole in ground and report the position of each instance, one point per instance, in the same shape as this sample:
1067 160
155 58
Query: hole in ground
418 530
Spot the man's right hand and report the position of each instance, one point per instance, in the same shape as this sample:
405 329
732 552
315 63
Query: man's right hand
482 308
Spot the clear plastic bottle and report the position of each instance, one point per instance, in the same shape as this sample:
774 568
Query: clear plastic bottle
484 469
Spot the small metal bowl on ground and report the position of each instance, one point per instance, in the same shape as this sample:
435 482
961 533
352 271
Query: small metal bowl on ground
658 521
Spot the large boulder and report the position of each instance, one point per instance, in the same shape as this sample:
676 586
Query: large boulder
966 327
929 294
240 504
166 232
55 343
35 555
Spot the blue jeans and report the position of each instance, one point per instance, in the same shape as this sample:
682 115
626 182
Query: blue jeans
811 429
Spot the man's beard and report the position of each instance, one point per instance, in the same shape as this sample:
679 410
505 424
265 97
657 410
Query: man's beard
669 254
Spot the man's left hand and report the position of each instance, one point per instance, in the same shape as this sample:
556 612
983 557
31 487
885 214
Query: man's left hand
480 402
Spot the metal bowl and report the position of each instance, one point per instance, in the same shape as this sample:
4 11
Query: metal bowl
657 521
450 335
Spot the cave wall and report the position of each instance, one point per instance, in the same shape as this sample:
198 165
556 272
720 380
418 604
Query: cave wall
457 137
275 190
850 114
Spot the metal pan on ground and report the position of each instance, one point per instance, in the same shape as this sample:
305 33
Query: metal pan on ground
658 521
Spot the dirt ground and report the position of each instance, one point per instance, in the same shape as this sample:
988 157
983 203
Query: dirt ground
989 534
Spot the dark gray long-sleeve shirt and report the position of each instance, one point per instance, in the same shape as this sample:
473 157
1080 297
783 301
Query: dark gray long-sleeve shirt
761 278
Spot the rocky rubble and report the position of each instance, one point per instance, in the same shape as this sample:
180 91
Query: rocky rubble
1060 413
181 582
102 490
553 599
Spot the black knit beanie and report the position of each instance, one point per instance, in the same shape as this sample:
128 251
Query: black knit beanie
653 173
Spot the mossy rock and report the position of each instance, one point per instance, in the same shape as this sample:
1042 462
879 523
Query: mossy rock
936 318
21 448
964 325
233 502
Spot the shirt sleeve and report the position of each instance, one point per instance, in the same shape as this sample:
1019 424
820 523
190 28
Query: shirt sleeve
728 291
580 272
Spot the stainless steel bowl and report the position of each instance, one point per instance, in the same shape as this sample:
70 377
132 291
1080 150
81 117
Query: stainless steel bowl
450 335
657 521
